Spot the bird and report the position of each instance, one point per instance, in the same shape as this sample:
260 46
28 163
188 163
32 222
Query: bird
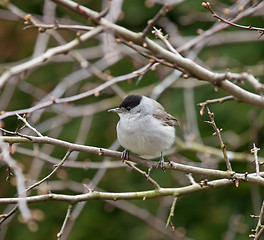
144 128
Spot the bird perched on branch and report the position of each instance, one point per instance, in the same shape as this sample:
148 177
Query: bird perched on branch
144 127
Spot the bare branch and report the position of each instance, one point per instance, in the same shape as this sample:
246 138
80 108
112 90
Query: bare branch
218 134
255 150
66 220
20 181
151 180
29 126
49 175
207 5
171 214
188 65
213 101
162 12
42 59
145 162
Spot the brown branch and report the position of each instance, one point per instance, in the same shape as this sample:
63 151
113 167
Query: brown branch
162 12
151 180
260 227
188 65
207 6
259 230
218 134
49 175
42 27
213 101
152 59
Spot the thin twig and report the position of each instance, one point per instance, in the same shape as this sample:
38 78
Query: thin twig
105 11
7 215
20 180
162 12
191 179
149 67
152 59
217 100
77 97
255 150
32 22
66 220
158 34
260 227
259 230
171 214
29 126
151 180
218 134
52 173
207 5
40 60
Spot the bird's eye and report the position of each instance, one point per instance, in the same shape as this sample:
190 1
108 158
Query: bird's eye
128 108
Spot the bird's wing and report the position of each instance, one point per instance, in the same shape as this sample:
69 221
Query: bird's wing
166 118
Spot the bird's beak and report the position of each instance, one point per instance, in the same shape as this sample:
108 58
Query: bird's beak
115 110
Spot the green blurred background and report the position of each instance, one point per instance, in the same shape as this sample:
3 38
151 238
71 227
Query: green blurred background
206 215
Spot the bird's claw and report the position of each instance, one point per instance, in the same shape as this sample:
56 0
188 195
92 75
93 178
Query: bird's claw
161 164
124 155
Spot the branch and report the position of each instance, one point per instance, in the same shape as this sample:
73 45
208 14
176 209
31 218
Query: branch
28 125
162 12
254 151
207 6
259 230
42 27
213 101
216 28
80 96
152 181
200 148
218 134
252 178
171 214
42 59
188 65
52 173
66 220
20 181
93 195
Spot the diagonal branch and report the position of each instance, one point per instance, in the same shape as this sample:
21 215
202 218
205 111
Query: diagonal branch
42 59
190 66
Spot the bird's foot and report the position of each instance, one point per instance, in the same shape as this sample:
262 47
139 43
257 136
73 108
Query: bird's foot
125 155
161 163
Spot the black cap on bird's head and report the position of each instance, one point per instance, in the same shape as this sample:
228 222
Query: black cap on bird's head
128 103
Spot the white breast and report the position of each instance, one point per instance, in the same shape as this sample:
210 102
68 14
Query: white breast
144 135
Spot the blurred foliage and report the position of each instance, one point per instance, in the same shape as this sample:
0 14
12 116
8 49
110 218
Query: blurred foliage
204 215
